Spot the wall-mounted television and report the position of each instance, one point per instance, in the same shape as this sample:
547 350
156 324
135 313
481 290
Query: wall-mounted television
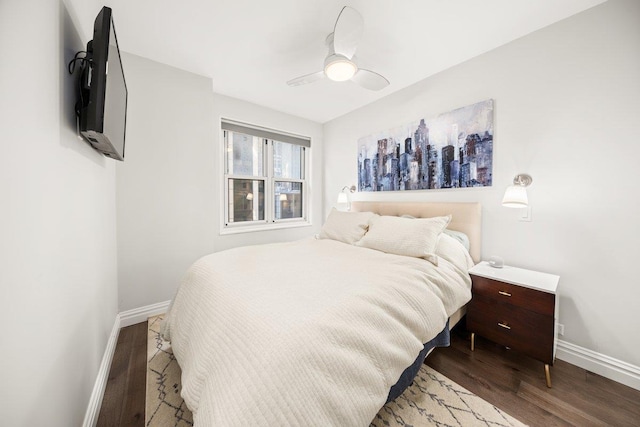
103 98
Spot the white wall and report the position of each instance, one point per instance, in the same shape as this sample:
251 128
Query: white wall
169 187
58 272
567 107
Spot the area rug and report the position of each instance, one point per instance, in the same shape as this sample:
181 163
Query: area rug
432 399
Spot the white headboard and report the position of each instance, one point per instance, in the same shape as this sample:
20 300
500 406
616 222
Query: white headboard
465 217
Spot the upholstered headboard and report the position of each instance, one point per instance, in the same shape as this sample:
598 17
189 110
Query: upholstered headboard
465 217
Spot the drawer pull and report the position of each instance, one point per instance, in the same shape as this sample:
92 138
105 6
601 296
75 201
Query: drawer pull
506 294
504 325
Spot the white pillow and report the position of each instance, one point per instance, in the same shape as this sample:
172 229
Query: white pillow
450 249
405 236
459 236
346 227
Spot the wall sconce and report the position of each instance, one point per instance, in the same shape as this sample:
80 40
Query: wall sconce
343 196
516 195
249 196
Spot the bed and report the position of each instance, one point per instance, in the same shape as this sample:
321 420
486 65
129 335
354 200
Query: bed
313 332
465 218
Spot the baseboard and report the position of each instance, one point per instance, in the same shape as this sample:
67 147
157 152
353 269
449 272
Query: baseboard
95 401
123 319
141 314
614 369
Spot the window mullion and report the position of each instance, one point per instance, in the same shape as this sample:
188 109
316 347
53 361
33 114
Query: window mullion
226 212
271 187
252 177
287 179
305 184
227 136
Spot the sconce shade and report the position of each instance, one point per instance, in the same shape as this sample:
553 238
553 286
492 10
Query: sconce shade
249 196
515 197
283 197
342 198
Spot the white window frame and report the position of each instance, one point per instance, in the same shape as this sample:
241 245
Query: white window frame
268 137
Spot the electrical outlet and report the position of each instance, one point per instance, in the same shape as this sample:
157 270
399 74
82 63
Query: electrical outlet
560 328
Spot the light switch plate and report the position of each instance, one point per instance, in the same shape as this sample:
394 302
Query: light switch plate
525 214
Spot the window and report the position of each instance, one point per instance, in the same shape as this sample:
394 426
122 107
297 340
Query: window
264 178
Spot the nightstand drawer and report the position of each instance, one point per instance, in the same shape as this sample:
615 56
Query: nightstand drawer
531 299
511 326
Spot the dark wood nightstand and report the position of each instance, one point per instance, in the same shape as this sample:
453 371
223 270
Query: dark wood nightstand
516 308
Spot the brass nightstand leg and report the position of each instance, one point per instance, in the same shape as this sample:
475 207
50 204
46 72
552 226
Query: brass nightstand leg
547 374
473 341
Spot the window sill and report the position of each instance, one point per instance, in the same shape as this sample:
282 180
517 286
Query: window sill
263 227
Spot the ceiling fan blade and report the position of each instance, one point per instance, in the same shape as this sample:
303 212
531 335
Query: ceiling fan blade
370 80
309 78
347 32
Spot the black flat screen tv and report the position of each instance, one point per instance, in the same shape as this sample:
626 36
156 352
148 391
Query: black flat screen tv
103 111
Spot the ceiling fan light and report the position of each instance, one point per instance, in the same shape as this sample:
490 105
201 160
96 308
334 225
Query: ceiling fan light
340 69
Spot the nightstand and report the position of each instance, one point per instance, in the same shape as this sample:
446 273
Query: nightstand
516 308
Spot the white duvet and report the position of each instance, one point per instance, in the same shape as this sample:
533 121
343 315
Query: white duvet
313 332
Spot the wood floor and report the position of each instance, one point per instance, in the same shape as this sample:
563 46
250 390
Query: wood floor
516 384
124 397
510 381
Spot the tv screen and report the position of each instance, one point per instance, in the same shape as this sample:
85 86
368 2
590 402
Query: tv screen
103 115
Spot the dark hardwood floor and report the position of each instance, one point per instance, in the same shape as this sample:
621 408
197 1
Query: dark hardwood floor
124 397
516 384
510 381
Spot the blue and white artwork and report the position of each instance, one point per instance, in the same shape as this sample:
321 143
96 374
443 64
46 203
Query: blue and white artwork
452 150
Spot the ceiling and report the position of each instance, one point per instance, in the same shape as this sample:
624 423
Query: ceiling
251 48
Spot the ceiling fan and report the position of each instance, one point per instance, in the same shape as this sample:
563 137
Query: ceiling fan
340 64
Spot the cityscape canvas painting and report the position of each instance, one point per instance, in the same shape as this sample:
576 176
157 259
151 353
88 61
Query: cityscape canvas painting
452 150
